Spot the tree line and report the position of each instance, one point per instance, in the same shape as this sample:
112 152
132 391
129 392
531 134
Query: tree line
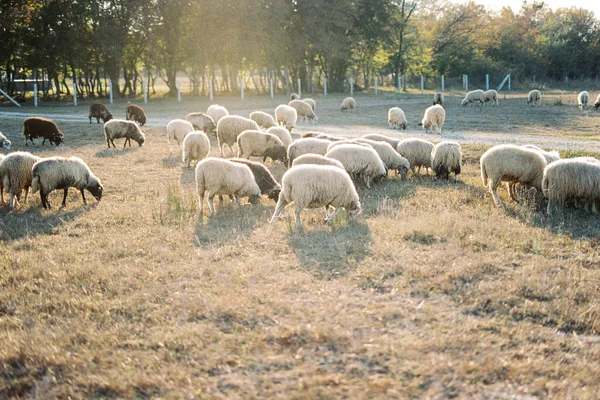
258 40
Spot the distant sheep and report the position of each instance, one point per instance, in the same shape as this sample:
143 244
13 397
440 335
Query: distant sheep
382 138
15 173
305 146
321 135
348 104
176 130
434 119
597 103
491 96
202 122
216 112
311 103
314 186
263 119
286 116
474 96
360 162
57 173
223 177
230 127
259 144
446 158
317 159
583 99
534 98
4 142
510 163
438 98
571 179
303 110
36 127
388 154
282 134
264 179
396 118
196 146
417 152
118 128
98 111
135 113
294 96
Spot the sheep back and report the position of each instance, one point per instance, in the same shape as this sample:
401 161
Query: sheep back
359 161
216 112
259 144
416 151
99 111
474 95
512 163
303 110
263 119
382 138
36 127
118 129
311 103
177 129
348 104
316 159
196 146
390 157
308 145
135 113
282 134
230 127
201 121
575 178
446 157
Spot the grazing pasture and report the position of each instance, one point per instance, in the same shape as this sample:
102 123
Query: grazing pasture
432 292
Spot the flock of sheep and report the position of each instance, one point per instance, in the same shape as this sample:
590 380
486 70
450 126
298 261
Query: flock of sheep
323 170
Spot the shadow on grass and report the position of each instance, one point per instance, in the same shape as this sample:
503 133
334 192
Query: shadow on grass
119 151
32 221
172 161
188 175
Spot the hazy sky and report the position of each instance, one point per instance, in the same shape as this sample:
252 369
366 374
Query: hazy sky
592 5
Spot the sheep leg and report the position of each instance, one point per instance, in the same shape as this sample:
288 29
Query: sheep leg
333 214
90 120
211 203
113 143
43 141
281 203
11 202
83 197
108 143
494 191
64 202
26 194
45 203
549 207
200 202
178 145
237 201
297 212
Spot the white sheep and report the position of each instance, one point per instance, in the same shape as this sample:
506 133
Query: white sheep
446 157
286 116
511 163
223 177
4 142
434 119
348 104
311 103
305 146
202 122
550 156
396 118
229 128
473 96
294 96
417 152
314 186
571 179
534 98
597 103
216 112
382 138
303 110
316 159
57 173
15 173
282 134
360 162
390 157
176 130
583 99
438 98
263 119
491 96
260 144
196 146
119 128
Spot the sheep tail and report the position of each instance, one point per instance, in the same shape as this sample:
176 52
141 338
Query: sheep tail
484 176
35 184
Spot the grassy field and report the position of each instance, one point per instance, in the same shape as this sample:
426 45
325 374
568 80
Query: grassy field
431 293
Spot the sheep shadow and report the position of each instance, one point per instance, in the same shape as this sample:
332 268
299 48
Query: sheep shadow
172 161
392 191
32 221
112 152
188 176
330 252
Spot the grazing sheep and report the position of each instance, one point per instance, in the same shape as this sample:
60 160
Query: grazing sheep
314 186
35 127
135 113
196 146
15 173
305 146
446 157
286 116
216 112
417 152
230 127
282 134
534 98
491 95
264 179
4 142
176 130
511 163
434 119
317 159
396 118
303 110
294 96
348 104
202 122
550 156
597 103
321 135
382 138
360 162
311 103
259 144
571 179
98 111
263 119
63 173
438 98
390 157
473 96
311 135
583 99
118 128
223 177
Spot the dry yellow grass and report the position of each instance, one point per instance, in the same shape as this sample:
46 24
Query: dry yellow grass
432 293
